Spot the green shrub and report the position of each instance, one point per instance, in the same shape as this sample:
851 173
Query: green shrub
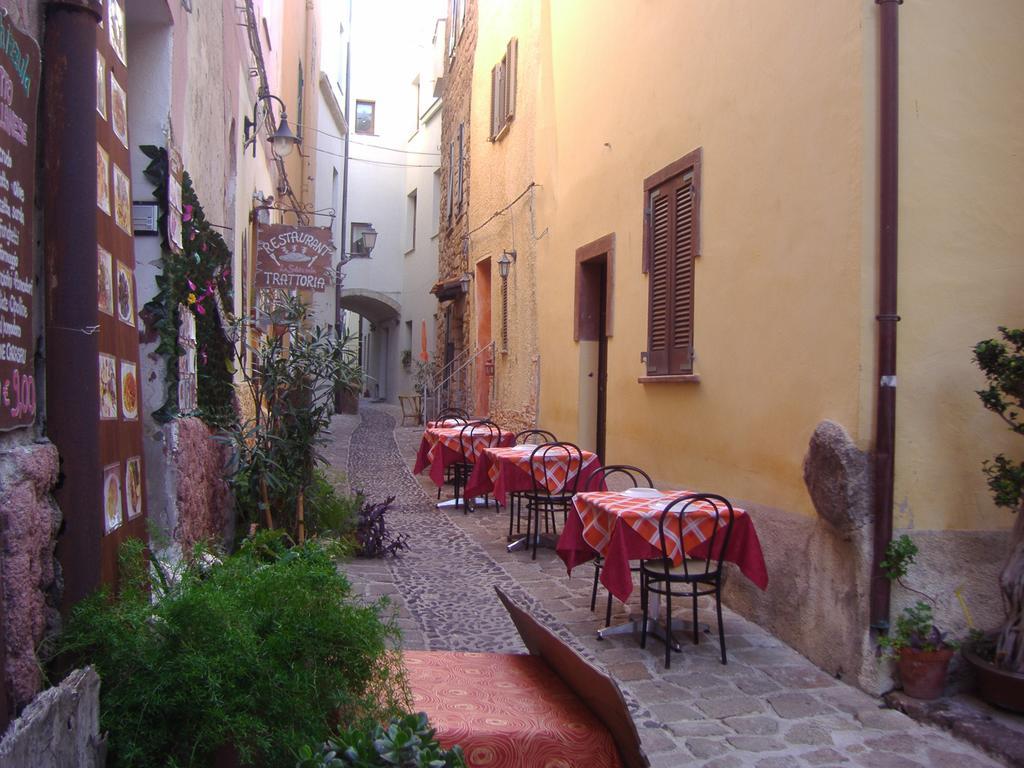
328 513
261 652
407 741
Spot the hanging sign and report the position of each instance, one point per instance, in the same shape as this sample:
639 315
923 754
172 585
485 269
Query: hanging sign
293 258
19 94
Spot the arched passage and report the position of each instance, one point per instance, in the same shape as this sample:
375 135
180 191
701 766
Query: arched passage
377 332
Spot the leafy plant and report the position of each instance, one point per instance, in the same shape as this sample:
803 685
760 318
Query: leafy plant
425 376
915 629
199 279
899 556
373 539
407 741
259 651
407 359
1002 363
291 387
331 514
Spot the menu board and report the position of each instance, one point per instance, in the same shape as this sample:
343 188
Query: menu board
19 95
119 409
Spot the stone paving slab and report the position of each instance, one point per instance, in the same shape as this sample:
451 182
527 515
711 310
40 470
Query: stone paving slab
767 707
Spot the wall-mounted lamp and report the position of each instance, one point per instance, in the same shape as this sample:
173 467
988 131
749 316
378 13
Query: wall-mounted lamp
282 141
364 244
464 281
505 263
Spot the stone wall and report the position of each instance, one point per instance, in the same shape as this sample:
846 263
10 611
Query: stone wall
29 573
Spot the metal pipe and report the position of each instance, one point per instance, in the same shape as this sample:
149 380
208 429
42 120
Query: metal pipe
68 188
888 219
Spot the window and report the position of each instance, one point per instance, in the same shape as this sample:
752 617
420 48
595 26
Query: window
410 222
416 103
365 116
503 91
671 243
358 249
301 117
451 179
456 21
461 162
436 203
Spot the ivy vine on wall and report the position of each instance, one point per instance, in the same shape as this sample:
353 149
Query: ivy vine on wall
198 278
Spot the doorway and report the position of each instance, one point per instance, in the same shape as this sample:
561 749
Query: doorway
593 327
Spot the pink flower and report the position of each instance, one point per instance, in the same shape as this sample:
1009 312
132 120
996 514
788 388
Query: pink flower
191 285
200 309
187 215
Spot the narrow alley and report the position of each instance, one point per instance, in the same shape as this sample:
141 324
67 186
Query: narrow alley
768 708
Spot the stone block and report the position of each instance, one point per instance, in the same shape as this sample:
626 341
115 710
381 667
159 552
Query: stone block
755 743
702 747
753 726
730 706
809 733
838 478
59 728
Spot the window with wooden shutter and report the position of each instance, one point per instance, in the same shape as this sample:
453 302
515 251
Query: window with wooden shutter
671 244
451 179
503 91
461 161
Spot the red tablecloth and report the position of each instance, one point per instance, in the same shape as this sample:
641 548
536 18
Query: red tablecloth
507 710
441 447
621 528
505 470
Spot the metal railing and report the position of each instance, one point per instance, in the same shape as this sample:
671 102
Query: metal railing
455 385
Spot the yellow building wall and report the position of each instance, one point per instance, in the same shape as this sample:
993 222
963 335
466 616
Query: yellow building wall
506 169
774 96
961 250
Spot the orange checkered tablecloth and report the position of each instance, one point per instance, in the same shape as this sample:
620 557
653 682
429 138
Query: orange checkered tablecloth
441 447
621 528
504 470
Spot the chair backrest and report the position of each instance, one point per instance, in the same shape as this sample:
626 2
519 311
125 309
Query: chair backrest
452 413
569 453
718 510
593 687
535 437
478 429
627 473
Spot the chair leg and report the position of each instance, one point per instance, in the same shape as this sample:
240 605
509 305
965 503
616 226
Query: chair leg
721 628
608 612
696 630
593 592
644 597
511 512
536 533
668 625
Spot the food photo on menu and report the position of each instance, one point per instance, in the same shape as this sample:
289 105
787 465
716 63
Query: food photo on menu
129 391
105 281
102 179
101 85
133 486
122 200
108 387
125 295
118 111
111 497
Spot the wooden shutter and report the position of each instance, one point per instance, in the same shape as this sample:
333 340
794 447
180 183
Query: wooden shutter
659 277
461 161
672 224
451 178
494 101
510 78
680 353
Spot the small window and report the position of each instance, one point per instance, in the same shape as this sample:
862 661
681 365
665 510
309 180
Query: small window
461 161
410 222
451 179
358 248
365 116
503 91
671 244
436 206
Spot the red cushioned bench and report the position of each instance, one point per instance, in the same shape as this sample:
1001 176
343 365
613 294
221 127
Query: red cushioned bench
546 708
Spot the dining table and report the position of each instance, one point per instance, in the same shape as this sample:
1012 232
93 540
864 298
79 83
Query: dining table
502 470
623 526
441 447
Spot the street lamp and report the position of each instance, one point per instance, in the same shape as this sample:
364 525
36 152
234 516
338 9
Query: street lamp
282 141
505 263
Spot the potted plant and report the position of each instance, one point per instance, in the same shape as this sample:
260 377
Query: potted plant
999 659
921 651
407 359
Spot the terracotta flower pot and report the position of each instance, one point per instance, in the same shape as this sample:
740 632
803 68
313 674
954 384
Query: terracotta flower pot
923 673
997 686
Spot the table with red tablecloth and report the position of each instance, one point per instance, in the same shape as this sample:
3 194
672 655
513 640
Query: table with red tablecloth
505 470
506 710
441 447
620 528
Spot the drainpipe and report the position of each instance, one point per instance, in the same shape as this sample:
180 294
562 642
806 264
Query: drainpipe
344 198
888 204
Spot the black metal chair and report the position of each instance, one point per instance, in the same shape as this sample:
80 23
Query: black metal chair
459 420
695 577
515 498
632 476
551 499
456 414
465 467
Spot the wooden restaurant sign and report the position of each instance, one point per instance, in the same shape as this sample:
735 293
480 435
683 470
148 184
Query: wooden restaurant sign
19 94
293 258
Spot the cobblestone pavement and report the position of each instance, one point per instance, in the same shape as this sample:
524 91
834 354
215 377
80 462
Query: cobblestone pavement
768 708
